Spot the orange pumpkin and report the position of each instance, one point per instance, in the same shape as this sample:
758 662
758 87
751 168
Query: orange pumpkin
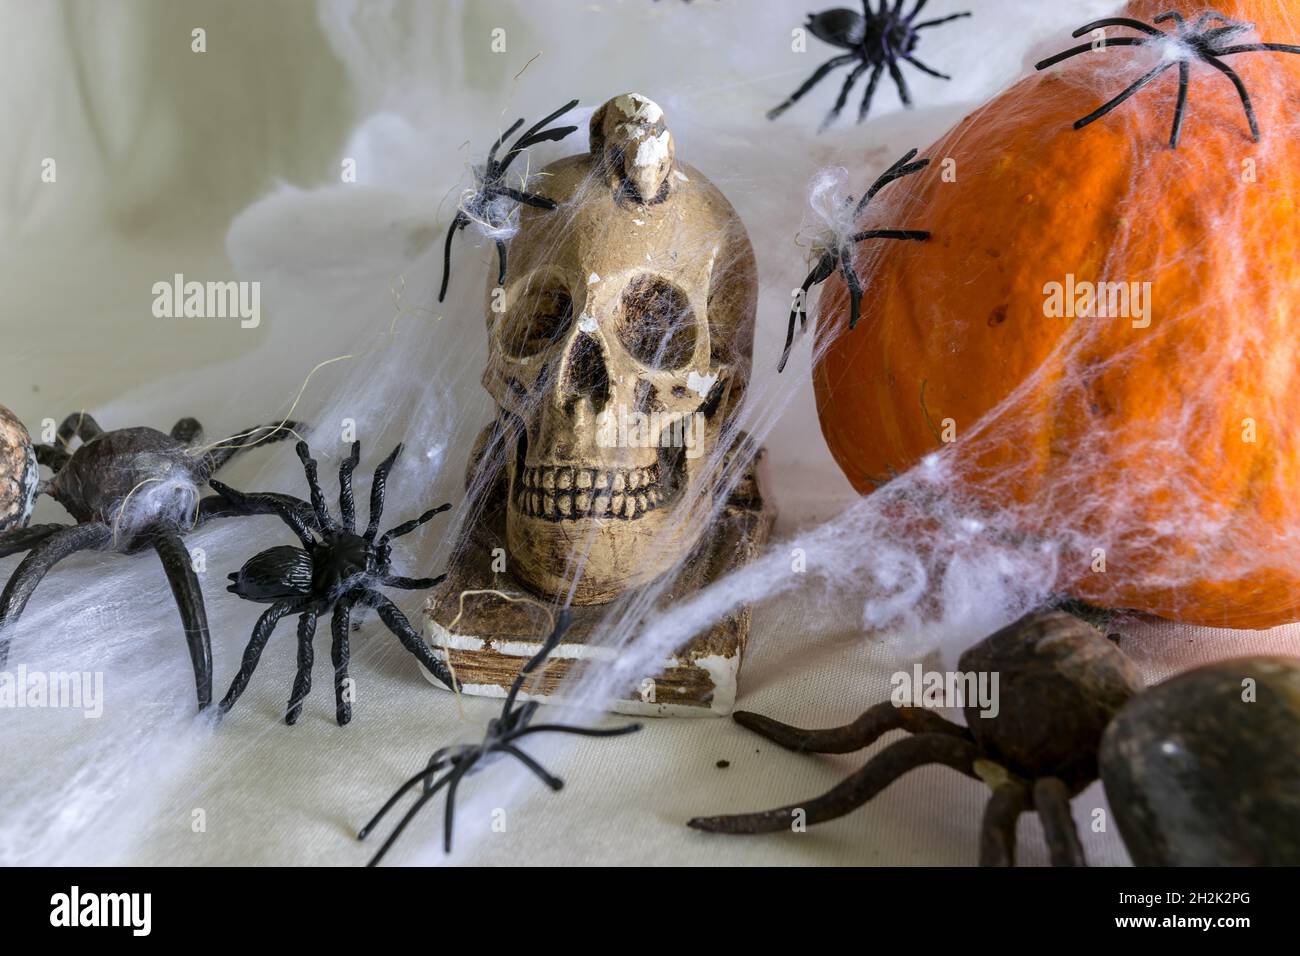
1172 446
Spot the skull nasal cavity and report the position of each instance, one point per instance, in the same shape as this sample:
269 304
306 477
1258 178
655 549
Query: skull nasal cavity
585 375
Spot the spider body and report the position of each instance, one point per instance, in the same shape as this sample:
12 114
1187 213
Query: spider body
836 253
110 479
499 740
129 490
877 40
1061 684
1209 38
493 203
335 570
1204 769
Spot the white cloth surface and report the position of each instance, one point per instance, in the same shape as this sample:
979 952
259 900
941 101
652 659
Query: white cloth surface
158 148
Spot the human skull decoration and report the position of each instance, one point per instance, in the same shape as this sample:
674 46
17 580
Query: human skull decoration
19 473
620 347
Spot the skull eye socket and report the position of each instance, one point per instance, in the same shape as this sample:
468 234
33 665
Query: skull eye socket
657 325
539 319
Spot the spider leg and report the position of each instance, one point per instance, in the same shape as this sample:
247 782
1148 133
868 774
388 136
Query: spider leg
406 820
926 69
323 517
1087 48
406 527
1105 108
78 425
799 312
915 235
568 729
533 134
347 503
939 20
1129 22
449 811
998 830
51 456
916 10
502 255
521 144
438 760
1180 112
460 221
1259 48
249 438
870 93
855 291
285 506
38 562
24 539
552 781
843 98
378 485
904 92
425 774
519 719
178 567
302 680
874 723
818 75
902 168
253 652
1052 801
528 199
396 622
874 776
340 652
412 584
1242 92
231 503
492 153
187 431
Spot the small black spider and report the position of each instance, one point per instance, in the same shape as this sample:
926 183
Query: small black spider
128 490
837 253
335 568
877 39
1201 40
493 202
502 733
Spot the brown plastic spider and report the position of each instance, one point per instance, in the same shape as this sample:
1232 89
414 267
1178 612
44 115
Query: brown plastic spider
1060 684
129 490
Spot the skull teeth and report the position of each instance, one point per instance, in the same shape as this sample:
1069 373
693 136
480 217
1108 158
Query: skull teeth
566 492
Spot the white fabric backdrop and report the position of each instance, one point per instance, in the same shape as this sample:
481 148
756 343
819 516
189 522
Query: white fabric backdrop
227 163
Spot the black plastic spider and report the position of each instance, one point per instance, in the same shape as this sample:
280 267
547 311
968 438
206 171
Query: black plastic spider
877 39
130 489
1200 40
842 255
502 733
336 568
494 201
